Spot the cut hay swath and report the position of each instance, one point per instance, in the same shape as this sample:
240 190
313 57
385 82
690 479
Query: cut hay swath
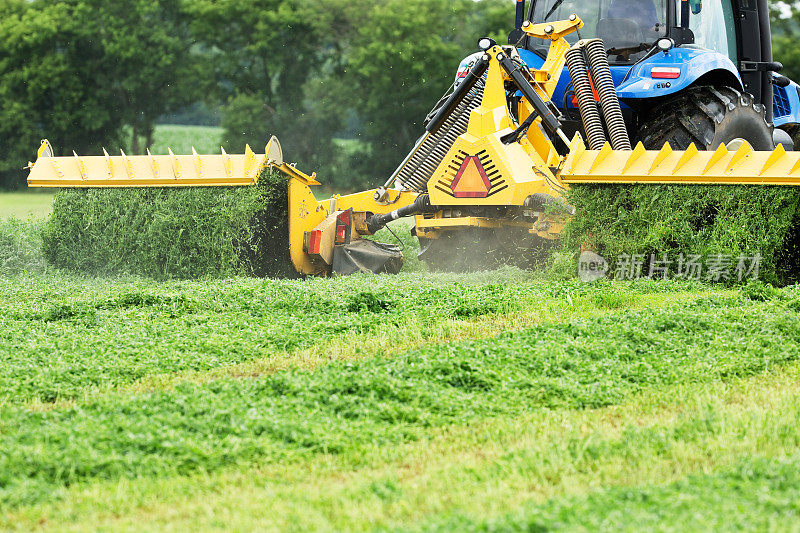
658 220
222 231
172 232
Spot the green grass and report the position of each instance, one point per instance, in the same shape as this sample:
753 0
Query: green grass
357 408
739 450
65 337
168 233
464 476
658 220
25 205
21 248
205 139
501 400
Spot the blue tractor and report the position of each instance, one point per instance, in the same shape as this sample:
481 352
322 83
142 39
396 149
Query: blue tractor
686 71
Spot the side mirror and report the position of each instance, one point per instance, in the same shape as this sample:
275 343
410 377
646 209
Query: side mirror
696 6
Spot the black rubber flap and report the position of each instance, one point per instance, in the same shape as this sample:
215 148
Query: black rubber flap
362 255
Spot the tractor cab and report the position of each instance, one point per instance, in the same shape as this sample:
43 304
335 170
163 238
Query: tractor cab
629 28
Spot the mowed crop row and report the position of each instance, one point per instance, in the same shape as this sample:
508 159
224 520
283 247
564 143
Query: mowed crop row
63 338
354 403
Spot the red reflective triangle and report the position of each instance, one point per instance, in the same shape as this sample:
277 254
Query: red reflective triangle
471 180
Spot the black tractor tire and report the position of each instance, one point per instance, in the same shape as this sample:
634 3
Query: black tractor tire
706 116
794 132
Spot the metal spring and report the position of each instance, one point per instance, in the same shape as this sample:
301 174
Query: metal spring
590 116
604 83
414 175
419 169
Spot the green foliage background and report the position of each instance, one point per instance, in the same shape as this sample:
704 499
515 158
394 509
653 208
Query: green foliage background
88 73
79 71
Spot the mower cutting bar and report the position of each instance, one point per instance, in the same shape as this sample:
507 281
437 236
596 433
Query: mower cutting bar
742 166
148 170
171 170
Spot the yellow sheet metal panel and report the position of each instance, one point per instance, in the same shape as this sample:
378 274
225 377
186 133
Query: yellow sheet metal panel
193 170
305 213
514 173
742 166
146 171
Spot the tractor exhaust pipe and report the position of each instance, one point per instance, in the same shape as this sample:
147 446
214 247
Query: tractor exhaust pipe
519 17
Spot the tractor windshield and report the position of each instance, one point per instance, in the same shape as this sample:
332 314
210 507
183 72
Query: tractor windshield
712 24
628 27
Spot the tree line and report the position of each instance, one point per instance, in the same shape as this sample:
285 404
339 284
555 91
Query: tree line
92 73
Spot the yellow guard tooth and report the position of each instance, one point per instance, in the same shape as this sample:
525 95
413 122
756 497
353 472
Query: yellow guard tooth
226 162
739 157
198 164
81 166
777 154
153 163
176 166
636 154
662 154
108 164
718 154
127 163
687 156
601 156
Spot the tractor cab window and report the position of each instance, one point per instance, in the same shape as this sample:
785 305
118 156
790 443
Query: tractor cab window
628 27
711 22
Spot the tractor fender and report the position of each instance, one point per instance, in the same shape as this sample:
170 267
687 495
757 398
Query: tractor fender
689 65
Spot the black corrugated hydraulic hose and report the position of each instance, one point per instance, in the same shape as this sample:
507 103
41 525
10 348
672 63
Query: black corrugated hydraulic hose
604 84
420 205
590 115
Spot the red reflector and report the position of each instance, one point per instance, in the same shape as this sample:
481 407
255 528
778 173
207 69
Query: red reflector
343 224
345 217
669 73
314 241
471 180
341 233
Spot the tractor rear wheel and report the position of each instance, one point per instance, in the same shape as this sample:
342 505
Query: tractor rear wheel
707 117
